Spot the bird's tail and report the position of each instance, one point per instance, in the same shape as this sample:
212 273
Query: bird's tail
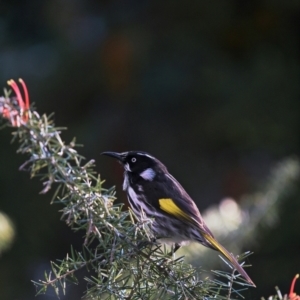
217 246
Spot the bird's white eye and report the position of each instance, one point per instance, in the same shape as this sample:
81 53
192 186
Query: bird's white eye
133 160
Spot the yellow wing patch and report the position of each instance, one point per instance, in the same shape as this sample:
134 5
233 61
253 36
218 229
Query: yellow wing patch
168 205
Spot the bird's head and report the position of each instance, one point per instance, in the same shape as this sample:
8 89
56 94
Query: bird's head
138 163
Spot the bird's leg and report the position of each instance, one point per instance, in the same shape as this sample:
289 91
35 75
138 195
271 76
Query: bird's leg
174 249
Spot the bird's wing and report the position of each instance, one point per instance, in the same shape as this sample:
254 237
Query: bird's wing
177 202
180 205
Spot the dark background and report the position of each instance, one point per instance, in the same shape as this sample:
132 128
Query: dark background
211 88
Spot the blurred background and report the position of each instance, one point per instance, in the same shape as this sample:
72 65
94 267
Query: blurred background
211 88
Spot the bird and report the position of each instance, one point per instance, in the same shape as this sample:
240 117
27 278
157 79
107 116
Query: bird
153 192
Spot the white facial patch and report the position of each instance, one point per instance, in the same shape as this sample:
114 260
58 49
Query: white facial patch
127 167
125 182
148 174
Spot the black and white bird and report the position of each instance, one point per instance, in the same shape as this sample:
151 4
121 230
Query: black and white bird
153 192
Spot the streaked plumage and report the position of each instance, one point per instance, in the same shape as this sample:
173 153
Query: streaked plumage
154 192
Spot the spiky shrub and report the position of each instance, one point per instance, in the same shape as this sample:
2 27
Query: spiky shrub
123 261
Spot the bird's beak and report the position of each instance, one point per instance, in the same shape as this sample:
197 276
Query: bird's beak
116 155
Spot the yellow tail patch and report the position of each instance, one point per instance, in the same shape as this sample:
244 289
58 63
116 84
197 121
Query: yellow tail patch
218 246
169 206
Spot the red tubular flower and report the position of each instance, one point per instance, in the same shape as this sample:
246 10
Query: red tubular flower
292 295
16 117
